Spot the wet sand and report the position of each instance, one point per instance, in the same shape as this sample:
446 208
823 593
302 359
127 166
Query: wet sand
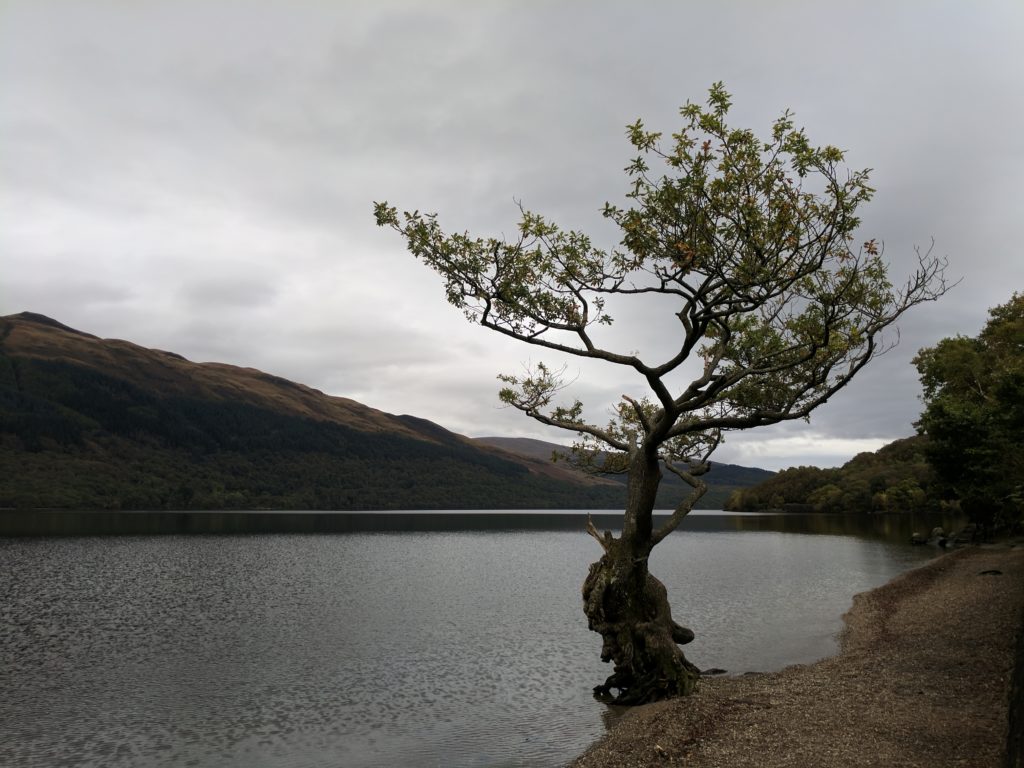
922 679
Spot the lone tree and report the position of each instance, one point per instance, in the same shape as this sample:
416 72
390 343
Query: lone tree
752 240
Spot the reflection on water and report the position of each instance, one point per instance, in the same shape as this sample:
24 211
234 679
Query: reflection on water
375 649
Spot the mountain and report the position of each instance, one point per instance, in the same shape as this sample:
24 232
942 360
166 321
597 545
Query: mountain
723 479
91 423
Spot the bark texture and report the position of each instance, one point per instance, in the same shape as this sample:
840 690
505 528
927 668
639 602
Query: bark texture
629 608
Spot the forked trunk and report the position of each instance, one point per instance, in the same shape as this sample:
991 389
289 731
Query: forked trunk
629 608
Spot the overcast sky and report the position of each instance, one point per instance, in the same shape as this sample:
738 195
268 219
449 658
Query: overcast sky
199 176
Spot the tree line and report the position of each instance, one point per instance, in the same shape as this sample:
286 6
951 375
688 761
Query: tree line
897 478
968 454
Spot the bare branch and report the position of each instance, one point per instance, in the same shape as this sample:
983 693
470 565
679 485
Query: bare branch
605 539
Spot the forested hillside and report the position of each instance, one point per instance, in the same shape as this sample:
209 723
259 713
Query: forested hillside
90 423
896 478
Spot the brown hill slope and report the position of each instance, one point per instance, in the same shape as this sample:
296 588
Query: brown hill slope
29 335
90 422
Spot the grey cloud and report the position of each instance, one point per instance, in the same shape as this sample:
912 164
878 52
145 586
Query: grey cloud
54 295
198 177
236 293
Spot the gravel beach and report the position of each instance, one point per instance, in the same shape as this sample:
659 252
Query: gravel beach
922 679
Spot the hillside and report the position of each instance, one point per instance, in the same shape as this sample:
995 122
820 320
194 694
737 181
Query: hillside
90 423
895 478
723 479
104 423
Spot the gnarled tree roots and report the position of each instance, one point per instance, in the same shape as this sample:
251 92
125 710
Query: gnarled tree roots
629 608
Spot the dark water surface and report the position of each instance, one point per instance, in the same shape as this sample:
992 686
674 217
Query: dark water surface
449 648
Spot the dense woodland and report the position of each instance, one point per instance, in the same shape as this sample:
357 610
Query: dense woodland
974 417
896 478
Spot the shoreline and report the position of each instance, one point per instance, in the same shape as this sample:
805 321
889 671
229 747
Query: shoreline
183 522
922 679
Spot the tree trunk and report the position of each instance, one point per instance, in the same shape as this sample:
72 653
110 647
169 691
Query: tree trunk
629 607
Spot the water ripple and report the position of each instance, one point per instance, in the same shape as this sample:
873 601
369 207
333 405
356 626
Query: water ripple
365 650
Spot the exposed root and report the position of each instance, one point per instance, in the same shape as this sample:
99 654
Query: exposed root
629 608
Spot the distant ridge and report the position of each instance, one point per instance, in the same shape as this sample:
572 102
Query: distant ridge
723 479
91 423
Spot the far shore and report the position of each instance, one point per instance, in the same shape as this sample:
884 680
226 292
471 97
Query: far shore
923 679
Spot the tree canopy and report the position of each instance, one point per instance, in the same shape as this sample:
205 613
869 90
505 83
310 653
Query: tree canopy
974 415
754 239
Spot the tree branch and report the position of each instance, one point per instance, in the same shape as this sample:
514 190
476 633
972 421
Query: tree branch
605 539
686 505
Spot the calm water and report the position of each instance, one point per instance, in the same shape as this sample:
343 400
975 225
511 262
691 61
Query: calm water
374 649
